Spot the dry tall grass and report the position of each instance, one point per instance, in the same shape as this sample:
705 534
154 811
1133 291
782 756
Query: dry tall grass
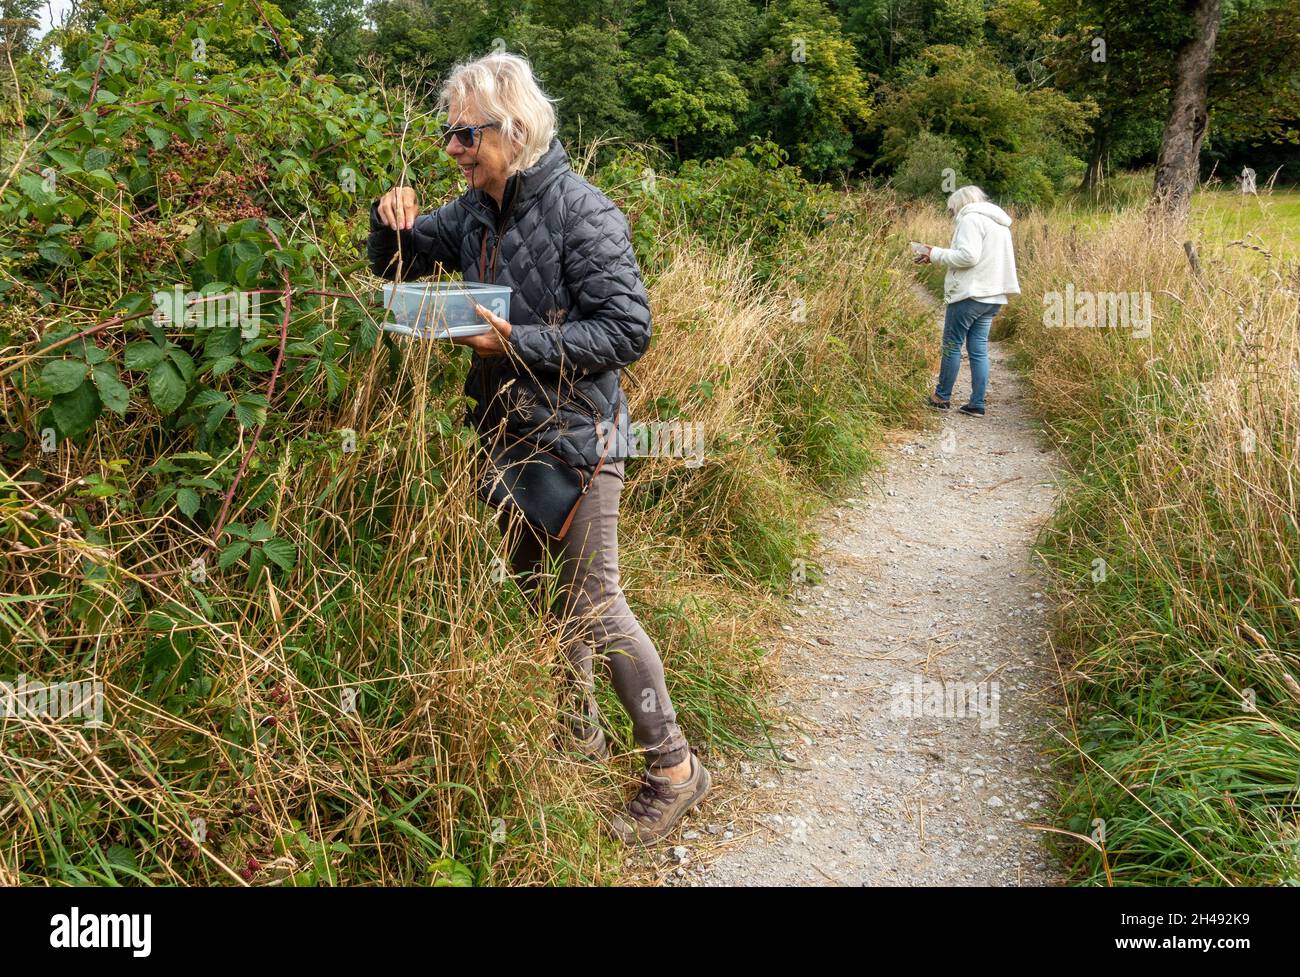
384 714
1177 551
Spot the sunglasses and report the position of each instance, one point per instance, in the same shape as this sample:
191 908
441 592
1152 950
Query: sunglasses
468 135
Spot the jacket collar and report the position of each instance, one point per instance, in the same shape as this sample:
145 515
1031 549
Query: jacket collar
526 186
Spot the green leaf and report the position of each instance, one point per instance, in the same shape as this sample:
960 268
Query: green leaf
281 552
365 336
215 415
73 207
76 410
232 553
143 355
447 872
258 361
64 158
335 378
249 413
120 857
221 342
224 365
63 376
207 397
55 252
166 388
184 362
134 302
187 500
112 391
93 354
246 274
255 564
261 531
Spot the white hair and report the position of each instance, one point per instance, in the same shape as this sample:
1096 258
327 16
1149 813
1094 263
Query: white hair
962 196
506 92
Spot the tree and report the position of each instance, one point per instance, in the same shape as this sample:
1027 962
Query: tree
808 90
579 59
1255 78
1015 143
1117 54
18 24
1180 150
1127 57
425 38
331 30
688 79
677 101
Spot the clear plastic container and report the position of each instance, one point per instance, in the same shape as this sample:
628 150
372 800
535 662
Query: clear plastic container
443 310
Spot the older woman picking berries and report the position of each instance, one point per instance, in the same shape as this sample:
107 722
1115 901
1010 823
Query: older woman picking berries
981 274
550 375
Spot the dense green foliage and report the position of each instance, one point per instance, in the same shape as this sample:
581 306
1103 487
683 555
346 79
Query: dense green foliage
231 519
1014 143
235 517
701 78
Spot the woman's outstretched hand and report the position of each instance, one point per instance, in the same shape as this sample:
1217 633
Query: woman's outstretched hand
398 208
923 258
492 342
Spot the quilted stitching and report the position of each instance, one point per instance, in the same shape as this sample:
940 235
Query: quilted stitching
579 306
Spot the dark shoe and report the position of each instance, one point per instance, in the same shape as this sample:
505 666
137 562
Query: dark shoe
934 403
972 411
659 805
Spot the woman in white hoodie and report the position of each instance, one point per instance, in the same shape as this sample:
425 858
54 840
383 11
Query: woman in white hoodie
981 274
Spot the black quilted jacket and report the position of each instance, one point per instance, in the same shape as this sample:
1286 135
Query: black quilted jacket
578 308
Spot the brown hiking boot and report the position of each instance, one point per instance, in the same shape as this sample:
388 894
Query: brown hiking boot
659 805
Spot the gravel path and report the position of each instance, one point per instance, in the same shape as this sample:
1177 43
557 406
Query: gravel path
927 591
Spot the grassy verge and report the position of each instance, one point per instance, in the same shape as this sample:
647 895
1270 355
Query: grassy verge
1176 550
378 706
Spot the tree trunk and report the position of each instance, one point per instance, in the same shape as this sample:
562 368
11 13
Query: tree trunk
1180 150
1095 175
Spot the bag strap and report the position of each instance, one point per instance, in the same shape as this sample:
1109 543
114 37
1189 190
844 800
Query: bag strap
512 187
591 481
482 259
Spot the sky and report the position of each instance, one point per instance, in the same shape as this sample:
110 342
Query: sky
52 11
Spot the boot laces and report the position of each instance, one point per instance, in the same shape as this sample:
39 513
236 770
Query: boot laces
646 804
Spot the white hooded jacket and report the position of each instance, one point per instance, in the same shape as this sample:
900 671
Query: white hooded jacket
980 262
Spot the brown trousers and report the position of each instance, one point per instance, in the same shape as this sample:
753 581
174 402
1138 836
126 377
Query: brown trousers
596 621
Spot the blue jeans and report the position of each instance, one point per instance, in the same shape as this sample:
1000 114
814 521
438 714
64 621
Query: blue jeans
966 323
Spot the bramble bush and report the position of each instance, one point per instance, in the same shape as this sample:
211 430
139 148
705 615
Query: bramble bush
145 169
228 494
